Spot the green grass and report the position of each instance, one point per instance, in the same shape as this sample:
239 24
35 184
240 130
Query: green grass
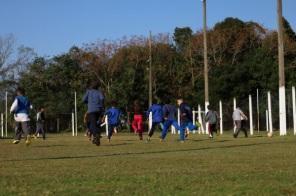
66 165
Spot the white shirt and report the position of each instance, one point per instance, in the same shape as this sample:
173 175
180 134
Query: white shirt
238 115
21 117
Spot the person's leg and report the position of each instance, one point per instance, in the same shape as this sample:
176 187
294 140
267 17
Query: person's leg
18 132
182 131
134 124
110 131
140 126
151 131
26 131
243 128
166 126
94 129
43 131
210 130
238 127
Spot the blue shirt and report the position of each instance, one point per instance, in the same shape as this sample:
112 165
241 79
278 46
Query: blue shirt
157 115
113 116
94 100
186 113
169 111
23 105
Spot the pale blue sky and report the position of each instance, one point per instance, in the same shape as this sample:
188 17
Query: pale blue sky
53 26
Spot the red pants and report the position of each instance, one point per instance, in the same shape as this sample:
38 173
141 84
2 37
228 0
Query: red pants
138 123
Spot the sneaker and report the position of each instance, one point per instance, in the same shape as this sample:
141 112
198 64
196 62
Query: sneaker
109 140
16 141
35 137
28 140
161 140
182 141
148 139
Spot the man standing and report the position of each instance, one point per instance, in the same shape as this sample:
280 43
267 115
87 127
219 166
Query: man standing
95 103
20 108
212 118
40 123
239 117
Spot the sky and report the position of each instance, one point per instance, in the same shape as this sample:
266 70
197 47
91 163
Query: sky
52 27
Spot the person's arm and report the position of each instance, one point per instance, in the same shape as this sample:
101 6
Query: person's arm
13 106
243 115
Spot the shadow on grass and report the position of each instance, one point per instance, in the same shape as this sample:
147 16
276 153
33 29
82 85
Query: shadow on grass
142 153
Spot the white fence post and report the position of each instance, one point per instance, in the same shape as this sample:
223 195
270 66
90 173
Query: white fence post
269 113
150 121
200 120
267 121
73 124
221 117
179 119
107 126
193 116
6 112
234 107
294 108
251 115
2 126
76 132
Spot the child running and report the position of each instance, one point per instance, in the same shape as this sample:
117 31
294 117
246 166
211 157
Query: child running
185 119
20 108
137 123
40 123
113 114
169 114
157 118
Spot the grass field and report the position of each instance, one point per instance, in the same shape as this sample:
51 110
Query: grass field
66 165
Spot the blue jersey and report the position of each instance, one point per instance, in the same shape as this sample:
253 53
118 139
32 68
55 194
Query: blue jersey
169 111
186 113
113 116
23 105
157 115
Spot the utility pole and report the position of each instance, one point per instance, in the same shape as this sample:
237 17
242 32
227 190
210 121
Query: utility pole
205 54
150 68
282 90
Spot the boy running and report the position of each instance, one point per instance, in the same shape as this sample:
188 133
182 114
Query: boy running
185 118
169 114
157 118
20 108
40 123
212 118
137 123
113 114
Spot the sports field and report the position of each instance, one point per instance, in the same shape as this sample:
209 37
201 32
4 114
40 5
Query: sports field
66 165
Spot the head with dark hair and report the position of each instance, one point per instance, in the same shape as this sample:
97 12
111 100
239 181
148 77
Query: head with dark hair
20 91
209 107
180 100
94 85
113 103
41 109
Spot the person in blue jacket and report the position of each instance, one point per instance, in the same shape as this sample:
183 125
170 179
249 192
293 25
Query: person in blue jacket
185 118
113 114
20 108
157 118
94 99
169 113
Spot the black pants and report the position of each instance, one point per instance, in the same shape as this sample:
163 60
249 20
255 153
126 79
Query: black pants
240 127
154 125
20 128
40 129
95 119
